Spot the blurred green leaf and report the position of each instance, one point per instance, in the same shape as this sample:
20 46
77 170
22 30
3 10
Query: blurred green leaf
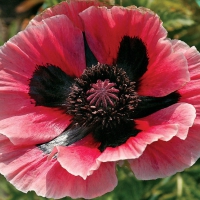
52 2
173 13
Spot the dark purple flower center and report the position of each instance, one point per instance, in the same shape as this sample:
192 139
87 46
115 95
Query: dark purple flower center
102 94
104 100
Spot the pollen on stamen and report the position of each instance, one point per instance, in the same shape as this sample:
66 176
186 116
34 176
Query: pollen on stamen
102 94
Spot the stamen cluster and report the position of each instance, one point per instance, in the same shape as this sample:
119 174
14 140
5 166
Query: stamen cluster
103 96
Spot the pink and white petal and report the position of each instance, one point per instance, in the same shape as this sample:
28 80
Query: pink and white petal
162 159
60 183
162 125
182 114
12 81
164 63
27 168
45 43
118 22
135 146
192 56
71 10
84 160
165 75
36 45
190 93
25 123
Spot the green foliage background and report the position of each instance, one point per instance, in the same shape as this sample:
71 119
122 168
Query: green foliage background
182 20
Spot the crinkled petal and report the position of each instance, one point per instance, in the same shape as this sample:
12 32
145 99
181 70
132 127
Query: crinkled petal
192 56
162 159
190 93
162 125
42 44
135 146
118 22
84 160
166 75
71 10
100 182
29 169
21 120
182 114
25 123
164 63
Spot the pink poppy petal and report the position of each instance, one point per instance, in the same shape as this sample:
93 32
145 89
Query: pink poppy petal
135 146
71 10
26 123
30 48
182 114
61 183
118 22
190 93
162 159
164 64
13 81
192 56
84 160
27 168
42 44
165 75
162 125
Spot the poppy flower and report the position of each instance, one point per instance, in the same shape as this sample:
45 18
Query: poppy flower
84 88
